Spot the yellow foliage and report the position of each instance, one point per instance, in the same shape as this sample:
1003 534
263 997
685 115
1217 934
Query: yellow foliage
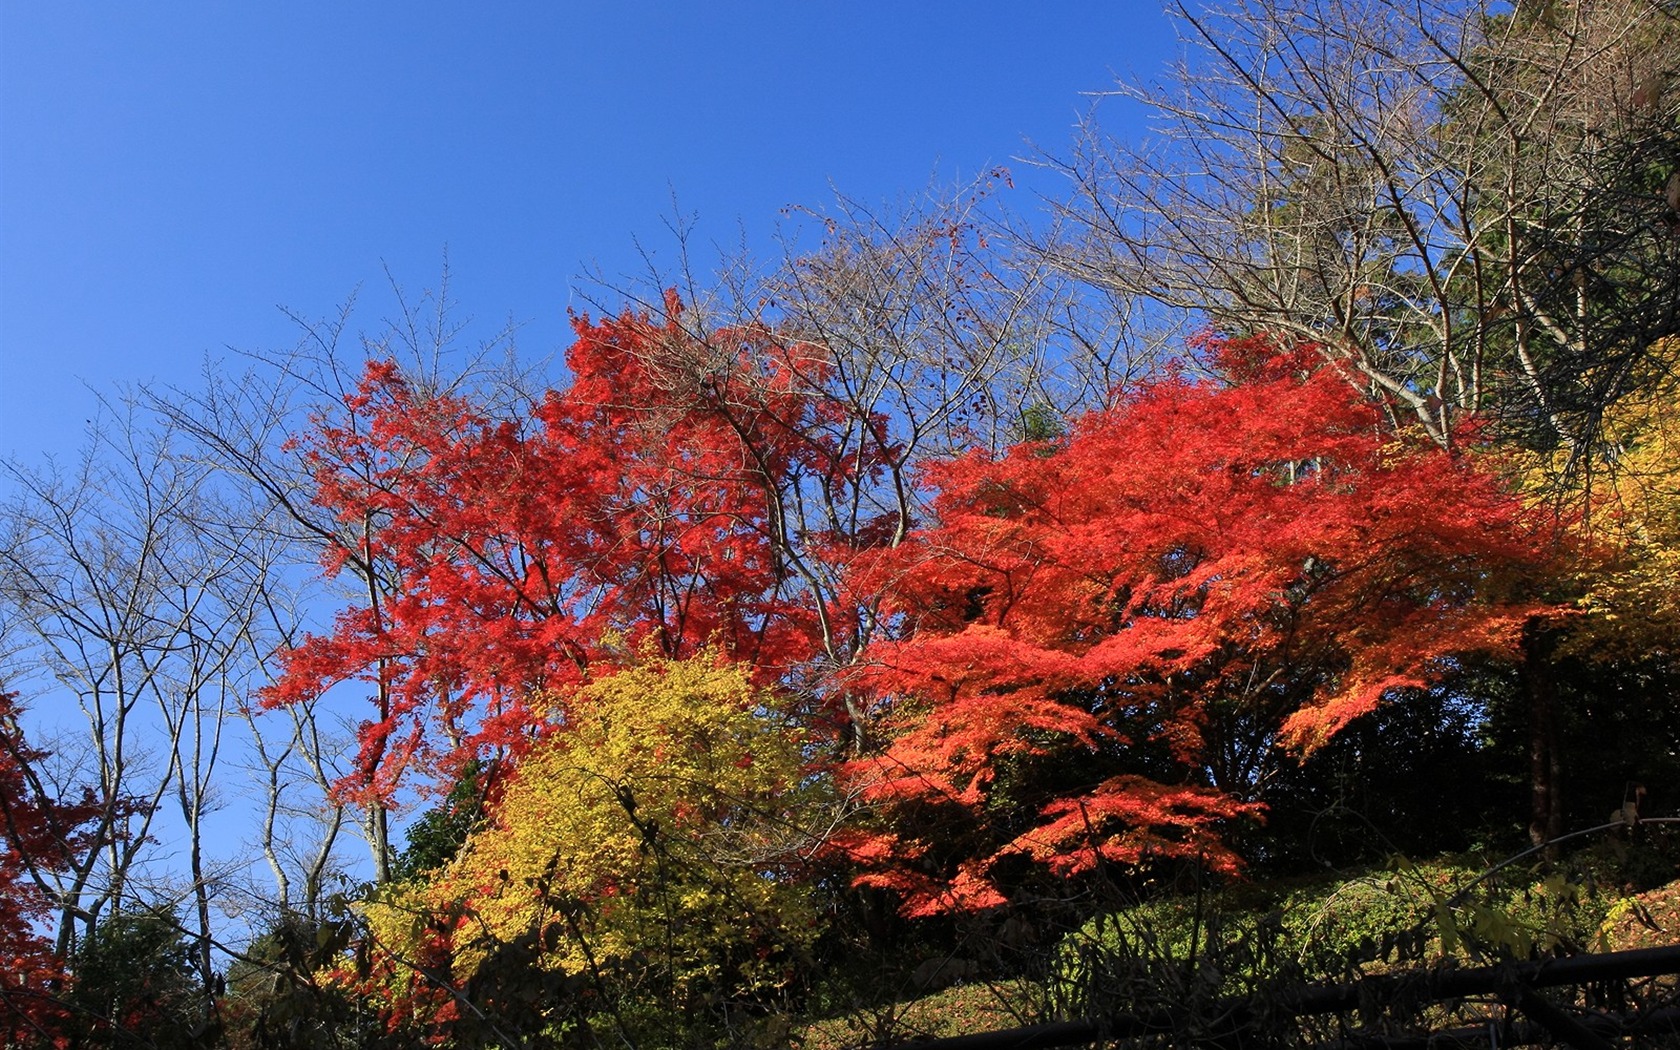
1632 597
652 841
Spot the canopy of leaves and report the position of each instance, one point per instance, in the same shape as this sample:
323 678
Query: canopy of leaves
1633 600
644 503
1105 641
38 833
649 850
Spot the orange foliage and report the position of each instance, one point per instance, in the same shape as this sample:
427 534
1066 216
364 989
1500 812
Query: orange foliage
1104 642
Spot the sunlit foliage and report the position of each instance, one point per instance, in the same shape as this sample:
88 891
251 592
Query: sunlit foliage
649 850
1110 641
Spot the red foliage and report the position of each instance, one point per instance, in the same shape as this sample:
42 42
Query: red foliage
643 503
1104 643
38 834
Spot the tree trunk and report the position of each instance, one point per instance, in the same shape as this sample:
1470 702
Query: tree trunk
1539 688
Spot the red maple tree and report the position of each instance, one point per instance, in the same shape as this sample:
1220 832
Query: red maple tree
649 502
38 834
1107 641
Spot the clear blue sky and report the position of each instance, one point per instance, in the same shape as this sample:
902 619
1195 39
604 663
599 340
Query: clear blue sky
171 173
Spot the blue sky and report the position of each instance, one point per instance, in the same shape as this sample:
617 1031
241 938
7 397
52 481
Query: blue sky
172 173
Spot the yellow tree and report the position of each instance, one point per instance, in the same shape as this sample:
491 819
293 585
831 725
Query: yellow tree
1619 659
640 868
1633 606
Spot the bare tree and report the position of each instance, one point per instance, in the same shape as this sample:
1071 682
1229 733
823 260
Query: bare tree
1465 206
130 585
920 334
294 760
153 583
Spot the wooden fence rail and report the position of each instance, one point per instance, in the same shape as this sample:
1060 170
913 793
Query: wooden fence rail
1225 1021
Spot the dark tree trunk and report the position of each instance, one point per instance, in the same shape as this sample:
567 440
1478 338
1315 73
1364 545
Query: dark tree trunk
1539 686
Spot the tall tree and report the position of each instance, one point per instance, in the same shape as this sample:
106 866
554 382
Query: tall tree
1468 207
1471 208
643 503
133 585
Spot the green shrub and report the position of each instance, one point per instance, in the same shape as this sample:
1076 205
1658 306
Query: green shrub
134 984
1185 950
